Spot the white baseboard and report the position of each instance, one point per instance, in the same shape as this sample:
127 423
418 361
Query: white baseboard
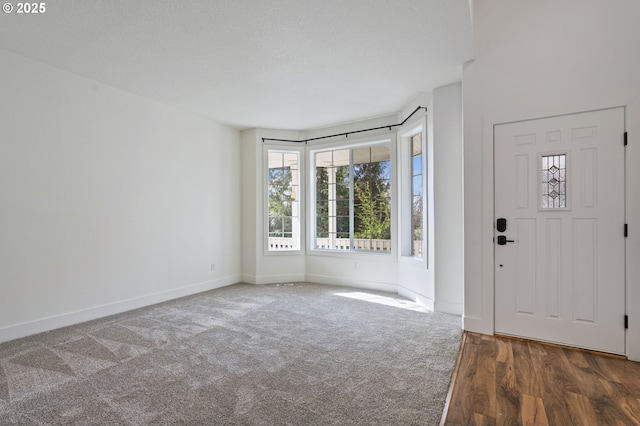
417 298
272 279
368 285
63 320
449 308
248 279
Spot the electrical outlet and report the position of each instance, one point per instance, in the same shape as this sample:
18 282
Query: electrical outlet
213 266
355 265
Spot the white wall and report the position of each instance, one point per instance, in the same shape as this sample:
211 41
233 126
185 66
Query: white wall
448 197
250 246
538 59
259 266
107 201
374 271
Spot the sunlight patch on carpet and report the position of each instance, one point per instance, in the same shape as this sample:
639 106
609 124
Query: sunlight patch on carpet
384 300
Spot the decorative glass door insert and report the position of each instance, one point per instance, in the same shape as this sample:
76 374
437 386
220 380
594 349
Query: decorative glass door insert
553 185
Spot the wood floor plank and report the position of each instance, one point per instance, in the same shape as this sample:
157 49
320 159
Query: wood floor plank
577 358
529 379
454 376
485 401
625 372
532 410
480 420
596 367
507 397
607 369
583 374
628 405
580 409
504 350
558 381
507 381
537 350
460 407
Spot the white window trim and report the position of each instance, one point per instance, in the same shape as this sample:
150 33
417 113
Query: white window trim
389 138
403 211
301 196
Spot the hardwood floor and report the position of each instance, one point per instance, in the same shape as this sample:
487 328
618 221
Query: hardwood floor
506 381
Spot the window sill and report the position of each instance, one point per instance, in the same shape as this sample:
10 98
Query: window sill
352 254
283 252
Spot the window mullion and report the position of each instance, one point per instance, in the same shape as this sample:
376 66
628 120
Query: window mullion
332 210
351 201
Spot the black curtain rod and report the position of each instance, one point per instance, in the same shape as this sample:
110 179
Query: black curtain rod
346 134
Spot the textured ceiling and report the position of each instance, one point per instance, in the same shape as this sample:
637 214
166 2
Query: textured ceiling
292 64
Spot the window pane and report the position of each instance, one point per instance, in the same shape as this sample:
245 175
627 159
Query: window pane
362 156
287 208
417 214
342 182
342 207
385 167
291 160
342 224
283 183
341 158
416 167
322 226
380 153
275 225
275 160
324 159
322 208
287 224
417 185
417 227
369 190
322 179
372 202
416 145
275 176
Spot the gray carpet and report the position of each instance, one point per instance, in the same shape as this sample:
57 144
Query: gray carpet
240 355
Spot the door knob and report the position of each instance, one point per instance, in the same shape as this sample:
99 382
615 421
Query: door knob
502 240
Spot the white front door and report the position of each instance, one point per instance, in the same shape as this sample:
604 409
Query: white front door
560 262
